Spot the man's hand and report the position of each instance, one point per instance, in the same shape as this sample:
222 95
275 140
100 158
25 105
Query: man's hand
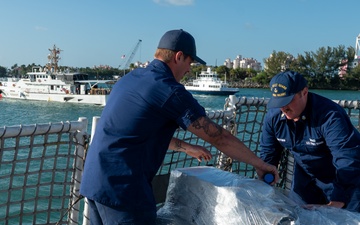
331 204
336 204
198 152
195 151
268 168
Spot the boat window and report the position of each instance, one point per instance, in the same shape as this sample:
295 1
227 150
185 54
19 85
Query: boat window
80 76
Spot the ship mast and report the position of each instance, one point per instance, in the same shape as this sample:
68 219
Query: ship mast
53 58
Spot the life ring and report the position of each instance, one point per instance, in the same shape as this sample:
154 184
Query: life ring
39 80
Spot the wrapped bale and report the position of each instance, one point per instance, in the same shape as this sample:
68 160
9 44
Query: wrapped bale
206 195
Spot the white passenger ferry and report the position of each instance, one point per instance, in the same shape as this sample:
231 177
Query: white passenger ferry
208 82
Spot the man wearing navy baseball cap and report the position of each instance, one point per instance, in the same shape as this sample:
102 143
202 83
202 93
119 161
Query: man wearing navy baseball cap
283 87
180 40
319 134
136 129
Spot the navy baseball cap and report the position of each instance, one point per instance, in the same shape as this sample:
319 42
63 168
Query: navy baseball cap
180 40
283 88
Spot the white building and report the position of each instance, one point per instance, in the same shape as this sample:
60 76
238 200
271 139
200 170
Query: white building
244 63
142 65
357 50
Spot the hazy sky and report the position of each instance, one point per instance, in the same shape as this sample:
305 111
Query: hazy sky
99 32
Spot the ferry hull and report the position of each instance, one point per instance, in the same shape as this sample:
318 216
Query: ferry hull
213 92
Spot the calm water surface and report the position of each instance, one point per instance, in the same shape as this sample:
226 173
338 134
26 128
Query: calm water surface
15 112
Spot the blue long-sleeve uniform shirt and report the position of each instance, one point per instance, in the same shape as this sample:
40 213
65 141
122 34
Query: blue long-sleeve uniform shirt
325 146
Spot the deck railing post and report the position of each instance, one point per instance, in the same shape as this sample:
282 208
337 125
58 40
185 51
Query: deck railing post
86 218
80 147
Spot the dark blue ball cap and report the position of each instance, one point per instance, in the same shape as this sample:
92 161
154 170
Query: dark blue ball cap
283 88
180 40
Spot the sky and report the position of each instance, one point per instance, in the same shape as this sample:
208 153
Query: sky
99 32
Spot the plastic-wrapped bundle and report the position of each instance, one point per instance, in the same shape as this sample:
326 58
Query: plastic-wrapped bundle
206 195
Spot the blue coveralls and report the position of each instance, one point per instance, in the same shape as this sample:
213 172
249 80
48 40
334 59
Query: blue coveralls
143 111
326 150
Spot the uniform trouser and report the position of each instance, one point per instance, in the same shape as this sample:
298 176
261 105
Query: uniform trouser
312 191
105 215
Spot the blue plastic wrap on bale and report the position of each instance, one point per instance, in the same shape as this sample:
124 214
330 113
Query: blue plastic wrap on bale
206 195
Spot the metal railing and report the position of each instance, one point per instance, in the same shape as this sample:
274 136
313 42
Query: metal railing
40 172
41 164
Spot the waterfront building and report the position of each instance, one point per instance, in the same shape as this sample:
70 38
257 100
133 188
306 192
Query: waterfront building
244 63
140 64
357 49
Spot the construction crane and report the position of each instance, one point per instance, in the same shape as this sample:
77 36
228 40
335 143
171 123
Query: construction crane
357 47
128 61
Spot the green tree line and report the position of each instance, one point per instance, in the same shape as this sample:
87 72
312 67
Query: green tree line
326 68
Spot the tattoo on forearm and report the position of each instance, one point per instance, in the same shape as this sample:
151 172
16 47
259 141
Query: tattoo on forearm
178 145
206 125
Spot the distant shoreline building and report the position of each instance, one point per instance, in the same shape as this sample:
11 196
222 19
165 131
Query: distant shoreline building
357 49
140 64
244 63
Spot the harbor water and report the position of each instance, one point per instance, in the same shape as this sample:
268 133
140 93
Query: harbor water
15 112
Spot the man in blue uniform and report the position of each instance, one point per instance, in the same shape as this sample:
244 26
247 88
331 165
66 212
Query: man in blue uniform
322 139
136 129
